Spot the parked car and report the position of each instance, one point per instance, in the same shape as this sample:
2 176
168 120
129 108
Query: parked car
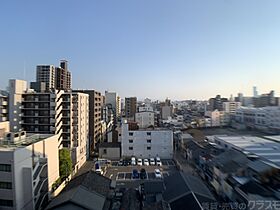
133 161
97 168
152 161
126 162
135 174
143 174
139 162
99 171
120 163
146 162
158 161
158 173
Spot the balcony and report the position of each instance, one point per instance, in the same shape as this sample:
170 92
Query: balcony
4 103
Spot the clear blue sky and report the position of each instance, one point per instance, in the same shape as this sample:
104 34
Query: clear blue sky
179 49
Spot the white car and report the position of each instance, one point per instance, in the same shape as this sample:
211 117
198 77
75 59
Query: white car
139 162
99 171
158 174
152 161
158 161
146 162
133 161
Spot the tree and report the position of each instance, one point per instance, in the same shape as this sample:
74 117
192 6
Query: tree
65 163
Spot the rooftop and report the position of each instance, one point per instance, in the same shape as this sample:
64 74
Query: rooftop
23 142
264 148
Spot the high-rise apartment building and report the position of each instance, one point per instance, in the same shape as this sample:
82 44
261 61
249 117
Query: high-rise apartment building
95 106
46 74
63 76
54 77
75 127
42 112
216 103
63 113
16 89
130 107
112 99
231 106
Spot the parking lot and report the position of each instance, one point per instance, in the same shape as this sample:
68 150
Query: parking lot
123 174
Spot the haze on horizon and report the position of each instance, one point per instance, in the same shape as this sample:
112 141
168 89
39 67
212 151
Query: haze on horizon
178 49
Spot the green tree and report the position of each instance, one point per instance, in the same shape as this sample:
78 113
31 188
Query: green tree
65 163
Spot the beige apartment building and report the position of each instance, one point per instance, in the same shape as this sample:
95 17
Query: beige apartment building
95 127
28 167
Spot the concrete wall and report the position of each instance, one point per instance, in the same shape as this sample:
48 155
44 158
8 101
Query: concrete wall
161 143
145 119
112 153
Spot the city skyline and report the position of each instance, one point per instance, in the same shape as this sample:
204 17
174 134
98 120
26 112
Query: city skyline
159 49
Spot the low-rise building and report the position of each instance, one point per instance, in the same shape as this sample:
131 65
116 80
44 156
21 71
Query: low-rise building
218 118
145 143
110 150
266 119
29 166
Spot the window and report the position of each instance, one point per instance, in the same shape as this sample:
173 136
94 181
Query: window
149 141
148 133
6 202
104 151
130 133
148 148
5 185
130 148
5 167
130 140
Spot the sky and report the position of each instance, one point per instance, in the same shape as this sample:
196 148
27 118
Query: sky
180 49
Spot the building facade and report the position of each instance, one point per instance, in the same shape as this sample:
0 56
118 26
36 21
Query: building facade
16 89
112 98
145 143
266 119
4 107
130 107
46 74
29 166
63 113
63 76
231 107
95 110
145 119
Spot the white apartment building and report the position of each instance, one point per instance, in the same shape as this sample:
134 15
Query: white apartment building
145 119
115 101
218 118
16 89
145 143
29 165
46 73
266 119
231 106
